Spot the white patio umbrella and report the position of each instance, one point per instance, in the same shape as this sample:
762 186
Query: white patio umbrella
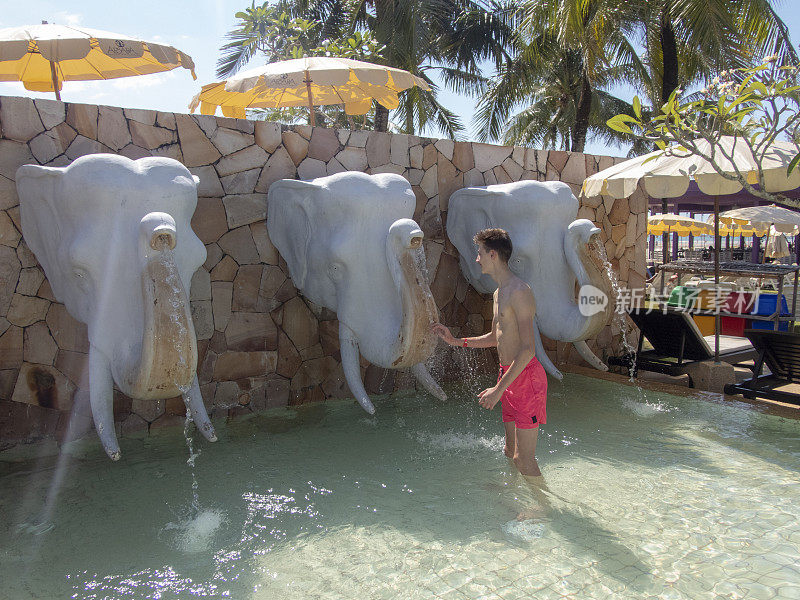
776 220
666 174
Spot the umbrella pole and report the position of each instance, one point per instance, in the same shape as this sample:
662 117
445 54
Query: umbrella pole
664 237
310 99
716 277
55 80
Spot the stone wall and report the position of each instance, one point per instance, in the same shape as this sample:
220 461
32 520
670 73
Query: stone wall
260 343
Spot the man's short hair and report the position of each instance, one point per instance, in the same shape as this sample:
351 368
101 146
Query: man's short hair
495 239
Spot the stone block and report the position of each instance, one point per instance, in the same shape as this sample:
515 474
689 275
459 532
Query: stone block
445 147
141 115
20 118
272 280
8 193
444 282
267 253
474 177
620 212
207 123
11 348
43 385
29 281
231 366
238 244
513 169
241 183
270 391
210 185
112 128
243 209
353 159
149 410
228 141
299 323
25 256
224 270
200 287
323 145
710 376
489 156
430 181
358 139
279 166
83 119
295 145
12 156
463 158
210 219
9 235
46 146
378 148
250 332
334 166
51 112
311 168
396 169
557 159
134 152
38 345
243 125
166 120
26 310
448 181
246 286
398 150
574 171
251 157
221 297
267 135
197 148
415 154
429 156
431 220
172 151
289 360
203 318
214 254
68 333
83 146
433 253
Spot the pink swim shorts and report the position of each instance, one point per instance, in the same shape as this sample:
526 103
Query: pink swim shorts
525 400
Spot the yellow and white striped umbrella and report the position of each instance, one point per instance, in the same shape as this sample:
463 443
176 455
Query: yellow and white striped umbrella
43 56
668 223
310 81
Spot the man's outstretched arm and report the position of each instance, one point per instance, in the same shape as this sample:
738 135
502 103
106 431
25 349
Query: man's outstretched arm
488 340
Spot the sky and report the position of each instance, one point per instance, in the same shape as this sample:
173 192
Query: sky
198 28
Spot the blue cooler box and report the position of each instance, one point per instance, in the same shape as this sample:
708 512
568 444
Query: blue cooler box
765 305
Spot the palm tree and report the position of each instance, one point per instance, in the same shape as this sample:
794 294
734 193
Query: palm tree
688 41
564 55
452 36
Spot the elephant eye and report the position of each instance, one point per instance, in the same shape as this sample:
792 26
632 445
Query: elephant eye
336 271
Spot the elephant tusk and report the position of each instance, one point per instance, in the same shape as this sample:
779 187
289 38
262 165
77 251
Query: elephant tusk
422 374
197 411
541 355
348 348
590 357
101 399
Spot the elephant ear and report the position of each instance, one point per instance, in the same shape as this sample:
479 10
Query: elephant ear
289 224
469 211
41 222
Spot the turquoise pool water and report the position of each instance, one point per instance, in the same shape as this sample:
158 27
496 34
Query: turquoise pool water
650 496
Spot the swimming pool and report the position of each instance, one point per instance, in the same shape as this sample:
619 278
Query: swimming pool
651 495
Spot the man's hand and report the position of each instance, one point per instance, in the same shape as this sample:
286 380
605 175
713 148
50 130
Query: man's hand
490 397
444 333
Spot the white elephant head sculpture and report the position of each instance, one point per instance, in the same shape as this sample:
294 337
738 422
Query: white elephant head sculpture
550 254
351 246
115 241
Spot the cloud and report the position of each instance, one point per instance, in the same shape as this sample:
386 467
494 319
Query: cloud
143 81
67 18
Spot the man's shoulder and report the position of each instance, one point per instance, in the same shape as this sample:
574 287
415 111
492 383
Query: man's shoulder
521 294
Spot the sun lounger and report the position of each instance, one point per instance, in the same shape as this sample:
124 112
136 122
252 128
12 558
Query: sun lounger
677 343
780 352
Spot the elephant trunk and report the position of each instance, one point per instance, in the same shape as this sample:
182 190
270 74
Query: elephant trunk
406 259
167 360
587 321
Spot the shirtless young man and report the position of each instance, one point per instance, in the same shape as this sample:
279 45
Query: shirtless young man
522 383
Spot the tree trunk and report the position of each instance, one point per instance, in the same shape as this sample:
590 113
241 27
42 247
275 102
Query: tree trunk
669 52
582 115
381 117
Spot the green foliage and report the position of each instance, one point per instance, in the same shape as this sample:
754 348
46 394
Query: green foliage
759 105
